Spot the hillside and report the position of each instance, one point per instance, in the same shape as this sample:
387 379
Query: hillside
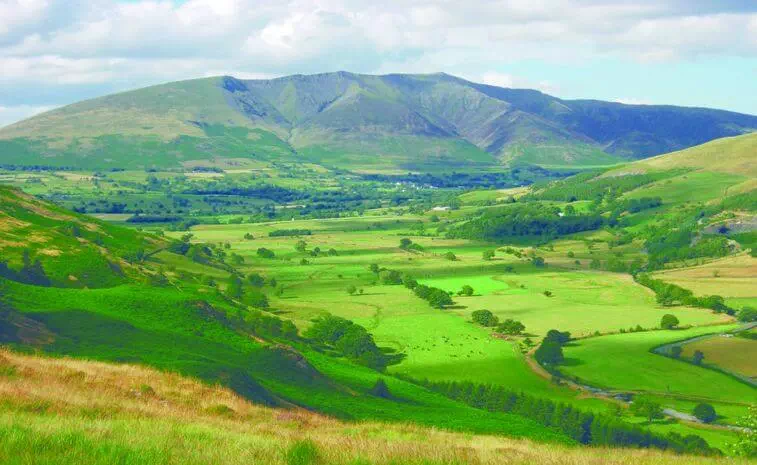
49 407
364 123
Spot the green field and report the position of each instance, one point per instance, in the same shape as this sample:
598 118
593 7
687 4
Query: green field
624 362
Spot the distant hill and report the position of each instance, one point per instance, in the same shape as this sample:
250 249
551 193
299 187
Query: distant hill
357 122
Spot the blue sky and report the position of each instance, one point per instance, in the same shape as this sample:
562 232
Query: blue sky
681 52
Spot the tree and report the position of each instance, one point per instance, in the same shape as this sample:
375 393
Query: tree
351 289
510 326
301 246
262 252
450 256
669 321
272 282
549 353
484 318
705 413
548 293
697 357
488 254
438 298
647 408
405 243
374 268
747 315
255 279
676 351
380 389
466 290
538 262
390 277
234 287
559 337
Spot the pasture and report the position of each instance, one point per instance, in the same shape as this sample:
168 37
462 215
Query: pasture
624 362
732 353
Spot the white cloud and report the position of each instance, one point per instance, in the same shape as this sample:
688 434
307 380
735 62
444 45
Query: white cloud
60 43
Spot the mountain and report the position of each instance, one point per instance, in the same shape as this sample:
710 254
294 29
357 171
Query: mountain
357 122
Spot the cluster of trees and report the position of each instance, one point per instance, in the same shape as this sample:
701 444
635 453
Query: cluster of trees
290 232
251 321
349 339
669 294
515 177
488 319
549 352
584 427
525 220
262 252
436 297
669 244
407 244
249 294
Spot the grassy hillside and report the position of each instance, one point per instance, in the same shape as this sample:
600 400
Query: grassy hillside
426 123
68 411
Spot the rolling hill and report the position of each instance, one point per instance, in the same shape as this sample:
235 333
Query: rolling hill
356 122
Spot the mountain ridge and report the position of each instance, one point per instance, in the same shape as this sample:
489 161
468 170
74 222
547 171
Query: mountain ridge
421 122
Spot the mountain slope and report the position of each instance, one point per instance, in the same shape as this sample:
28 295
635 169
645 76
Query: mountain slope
356 122
148 416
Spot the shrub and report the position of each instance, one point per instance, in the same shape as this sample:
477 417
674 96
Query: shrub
450 256
676 351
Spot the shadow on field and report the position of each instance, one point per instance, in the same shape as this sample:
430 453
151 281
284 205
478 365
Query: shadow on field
572 362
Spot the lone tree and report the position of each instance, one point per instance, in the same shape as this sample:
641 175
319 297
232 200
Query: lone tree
488 254
549 353
697 357
450 256
705 413
647 408
484 318
676 351
466 290
351 289
669 321
374 268
301 246
405 243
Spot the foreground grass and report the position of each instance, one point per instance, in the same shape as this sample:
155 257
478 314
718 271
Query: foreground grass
62 411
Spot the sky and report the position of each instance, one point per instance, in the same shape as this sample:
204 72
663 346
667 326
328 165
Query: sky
679 52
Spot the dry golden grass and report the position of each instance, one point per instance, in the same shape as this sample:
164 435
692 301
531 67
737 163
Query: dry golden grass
140 408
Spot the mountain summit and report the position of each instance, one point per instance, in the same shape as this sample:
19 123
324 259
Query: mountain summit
357 122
